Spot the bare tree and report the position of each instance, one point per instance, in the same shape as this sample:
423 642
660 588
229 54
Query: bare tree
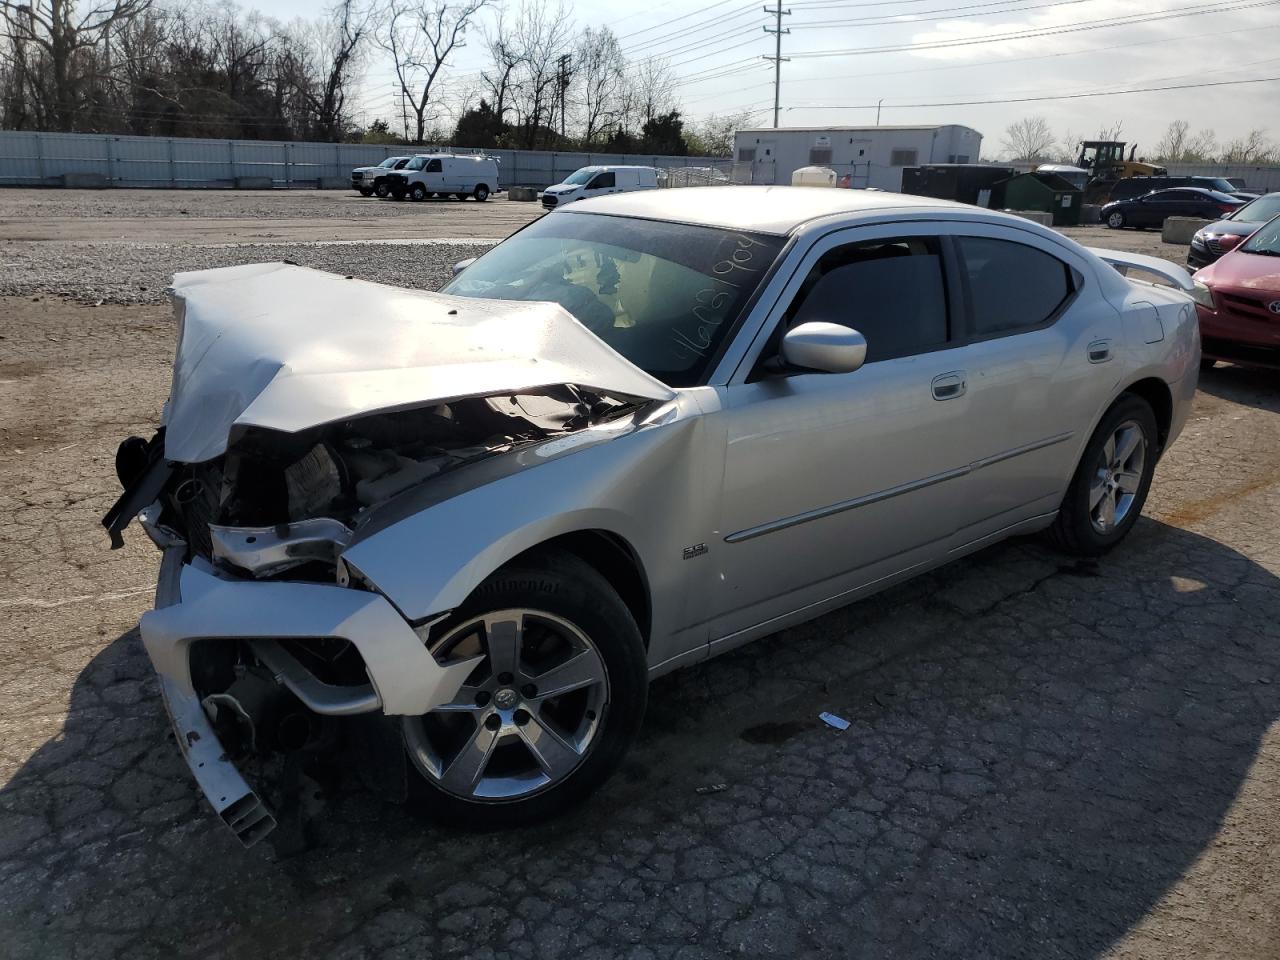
341 38
713 136
543 38
601 76
501 78
1029 139
1254 147
58 47
652 90
1173 145
421 35
1111 132
1201 147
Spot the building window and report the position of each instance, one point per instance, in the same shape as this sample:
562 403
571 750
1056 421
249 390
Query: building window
820 155
747 154
902 158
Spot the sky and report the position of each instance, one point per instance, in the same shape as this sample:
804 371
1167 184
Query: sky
836 76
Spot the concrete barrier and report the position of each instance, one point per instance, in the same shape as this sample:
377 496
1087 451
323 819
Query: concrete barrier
253 183
1181 229
1042 217
84 181
525 194
1091 213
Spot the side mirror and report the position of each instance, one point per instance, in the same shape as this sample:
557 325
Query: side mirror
826 347
462 265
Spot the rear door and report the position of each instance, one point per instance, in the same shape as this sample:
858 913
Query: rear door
1041 350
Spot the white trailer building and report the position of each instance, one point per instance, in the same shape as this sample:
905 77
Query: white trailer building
868 156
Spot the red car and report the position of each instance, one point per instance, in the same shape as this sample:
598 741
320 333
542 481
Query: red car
1238 302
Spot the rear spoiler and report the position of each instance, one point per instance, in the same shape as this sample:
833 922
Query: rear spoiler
1171 273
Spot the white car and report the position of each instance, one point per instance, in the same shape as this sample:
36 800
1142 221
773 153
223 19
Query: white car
598 181
632 436
368 181
441 174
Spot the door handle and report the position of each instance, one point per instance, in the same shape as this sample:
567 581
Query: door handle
1100 351
948 386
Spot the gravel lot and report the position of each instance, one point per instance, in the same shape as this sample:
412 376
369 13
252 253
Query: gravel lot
1046 759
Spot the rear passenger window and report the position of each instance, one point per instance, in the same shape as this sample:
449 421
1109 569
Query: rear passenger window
1012 286
890 291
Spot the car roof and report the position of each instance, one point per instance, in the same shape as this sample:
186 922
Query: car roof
777 210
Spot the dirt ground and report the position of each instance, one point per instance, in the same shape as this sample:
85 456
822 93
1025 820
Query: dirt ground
1046 759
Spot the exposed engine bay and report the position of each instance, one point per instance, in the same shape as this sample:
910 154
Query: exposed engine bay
277 502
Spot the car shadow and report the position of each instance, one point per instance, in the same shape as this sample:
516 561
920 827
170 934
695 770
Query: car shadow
1250 386
1038 751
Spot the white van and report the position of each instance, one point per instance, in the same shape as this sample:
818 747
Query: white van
597 181
443 173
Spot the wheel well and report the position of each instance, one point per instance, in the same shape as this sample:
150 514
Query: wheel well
1156 392
613 558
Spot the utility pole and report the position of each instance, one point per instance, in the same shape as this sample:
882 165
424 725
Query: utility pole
777 57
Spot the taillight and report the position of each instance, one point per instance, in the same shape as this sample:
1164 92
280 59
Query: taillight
1225 208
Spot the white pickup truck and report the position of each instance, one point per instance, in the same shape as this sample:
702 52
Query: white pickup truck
370 180
427 175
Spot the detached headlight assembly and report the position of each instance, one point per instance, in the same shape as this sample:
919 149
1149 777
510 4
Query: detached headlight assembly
1202 294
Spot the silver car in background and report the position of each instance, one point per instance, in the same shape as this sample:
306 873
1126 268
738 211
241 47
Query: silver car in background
634 435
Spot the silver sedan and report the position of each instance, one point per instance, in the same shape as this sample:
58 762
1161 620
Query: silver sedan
466 529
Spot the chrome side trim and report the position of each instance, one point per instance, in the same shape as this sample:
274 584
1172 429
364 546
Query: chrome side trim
785 523
1019 451
879 496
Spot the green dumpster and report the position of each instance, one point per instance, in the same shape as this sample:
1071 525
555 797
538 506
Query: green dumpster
1046 192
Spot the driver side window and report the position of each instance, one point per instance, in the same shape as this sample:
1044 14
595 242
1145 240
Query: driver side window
434 166
601 180
891 291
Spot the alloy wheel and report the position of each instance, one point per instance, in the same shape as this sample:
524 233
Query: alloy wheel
525 718
1117 476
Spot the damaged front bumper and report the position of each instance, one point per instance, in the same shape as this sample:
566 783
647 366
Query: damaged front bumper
193 603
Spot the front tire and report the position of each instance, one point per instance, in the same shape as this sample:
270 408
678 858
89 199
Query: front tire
418 192
1115 220
381 190
551 709
366 192
1111 483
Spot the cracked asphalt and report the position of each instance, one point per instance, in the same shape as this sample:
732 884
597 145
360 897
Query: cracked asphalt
1045 759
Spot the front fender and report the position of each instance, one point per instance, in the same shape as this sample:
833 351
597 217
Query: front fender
655 488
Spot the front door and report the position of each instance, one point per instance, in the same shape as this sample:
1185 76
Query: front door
833 481
765 167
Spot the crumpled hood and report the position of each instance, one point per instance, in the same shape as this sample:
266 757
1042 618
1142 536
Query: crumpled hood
288 348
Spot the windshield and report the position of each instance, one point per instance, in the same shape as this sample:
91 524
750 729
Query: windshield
1220 184
389 162
581 176
417 163
664 295
1265 241
1258 211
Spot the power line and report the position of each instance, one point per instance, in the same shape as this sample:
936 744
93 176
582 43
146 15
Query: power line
635 33
1035 34
924 17
1059 96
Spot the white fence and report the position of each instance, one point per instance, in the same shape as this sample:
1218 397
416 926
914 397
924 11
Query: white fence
43 159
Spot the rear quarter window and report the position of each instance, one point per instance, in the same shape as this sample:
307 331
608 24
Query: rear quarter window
1012 287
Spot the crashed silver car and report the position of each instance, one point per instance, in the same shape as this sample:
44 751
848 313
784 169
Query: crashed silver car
633 436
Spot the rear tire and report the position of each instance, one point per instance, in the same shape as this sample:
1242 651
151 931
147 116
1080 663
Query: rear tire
1111 482
481 193
575 634
1115 220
